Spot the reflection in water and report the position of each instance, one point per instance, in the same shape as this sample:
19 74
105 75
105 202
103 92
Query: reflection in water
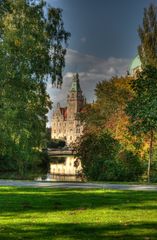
64 168
63 178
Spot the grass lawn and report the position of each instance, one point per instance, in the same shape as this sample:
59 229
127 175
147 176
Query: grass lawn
34 214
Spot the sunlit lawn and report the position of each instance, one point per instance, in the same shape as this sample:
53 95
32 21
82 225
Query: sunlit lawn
27 213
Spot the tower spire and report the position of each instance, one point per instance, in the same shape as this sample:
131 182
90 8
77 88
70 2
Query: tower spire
75 87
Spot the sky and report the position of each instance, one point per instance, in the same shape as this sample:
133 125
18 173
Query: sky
104 40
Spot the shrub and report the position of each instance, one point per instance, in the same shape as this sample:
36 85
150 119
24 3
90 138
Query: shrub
98 156
56 143
131 167
102 159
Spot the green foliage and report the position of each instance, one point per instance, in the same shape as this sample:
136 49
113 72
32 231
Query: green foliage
102 159
153 173
142 109
146 87
110 156
130 166
18 168
56 143
148 36
97 153
30 52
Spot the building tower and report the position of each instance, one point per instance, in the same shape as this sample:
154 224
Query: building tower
75 102
75 99
65 122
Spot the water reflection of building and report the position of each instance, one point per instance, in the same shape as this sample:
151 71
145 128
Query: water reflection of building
65 122
70 166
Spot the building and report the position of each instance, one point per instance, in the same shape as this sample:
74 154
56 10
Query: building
135 66
65 123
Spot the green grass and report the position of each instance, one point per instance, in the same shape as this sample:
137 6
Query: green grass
35 214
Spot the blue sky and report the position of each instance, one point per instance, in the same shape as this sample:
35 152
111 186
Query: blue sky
103 41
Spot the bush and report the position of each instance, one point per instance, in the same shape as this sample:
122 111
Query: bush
7 163
39 163
131 167
98 156
103 160
56 143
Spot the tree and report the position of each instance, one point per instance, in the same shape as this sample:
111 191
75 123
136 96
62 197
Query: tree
108 110
148 36
31 51
102 159
112 96
97 152
142 109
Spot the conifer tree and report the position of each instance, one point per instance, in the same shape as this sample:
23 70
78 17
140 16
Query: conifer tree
148 35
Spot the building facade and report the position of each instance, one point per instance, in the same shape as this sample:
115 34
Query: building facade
65 124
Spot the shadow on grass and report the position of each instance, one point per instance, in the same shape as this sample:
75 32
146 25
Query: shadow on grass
17 205
13 200
80 231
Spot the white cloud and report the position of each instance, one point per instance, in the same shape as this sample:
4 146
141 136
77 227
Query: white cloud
111 71
91 71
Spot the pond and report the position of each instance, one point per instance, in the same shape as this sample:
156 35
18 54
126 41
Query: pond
64 168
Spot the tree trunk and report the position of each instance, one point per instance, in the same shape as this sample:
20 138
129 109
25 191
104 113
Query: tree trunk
150 154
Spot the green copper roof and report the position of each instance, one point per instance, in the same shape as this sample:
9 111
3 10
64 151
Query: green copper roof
75 87
136 62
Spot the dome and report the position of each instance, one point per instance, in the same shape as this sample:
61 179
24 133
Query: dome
135 64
